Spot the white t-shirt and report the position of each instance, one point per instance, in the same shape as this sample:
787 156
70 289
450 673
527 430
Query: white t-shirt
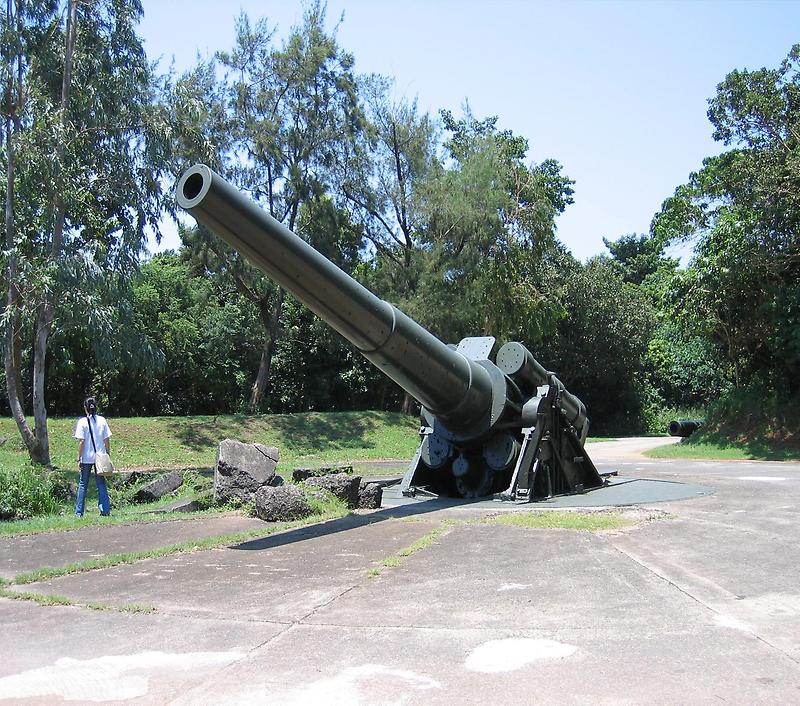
100 431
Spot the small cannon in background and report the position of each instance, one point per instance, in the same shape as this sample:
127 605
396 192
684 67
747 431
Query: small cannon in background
491 423
684 427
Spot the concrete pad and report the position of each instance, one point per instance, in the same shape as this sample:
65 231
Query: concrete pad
698 607
34 551
381 666
62 652
281 578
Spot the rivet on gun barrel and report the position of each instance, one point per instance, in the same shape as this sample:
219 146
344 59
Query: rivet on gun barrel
492 422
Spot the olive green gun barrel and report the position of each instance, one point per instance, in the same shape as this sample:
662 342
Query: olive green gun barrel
454 388
518 362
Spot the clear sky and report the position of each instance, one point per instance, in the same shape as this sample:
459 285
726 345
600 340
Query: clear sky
616 91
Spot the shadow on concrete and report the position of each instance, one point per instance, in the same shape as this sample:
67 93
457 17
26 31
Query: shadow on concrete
350 522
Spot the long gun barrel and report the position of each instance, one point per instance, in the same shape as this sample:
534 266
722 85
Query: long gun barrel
446 382
486 426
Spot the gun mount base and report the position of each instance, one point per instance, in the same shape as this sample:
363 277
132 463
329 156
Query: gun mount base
525 465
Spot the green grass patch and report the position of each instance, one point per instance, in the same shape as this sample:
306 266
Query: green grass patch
309 438
422 543
191 442
725 450
41 599
591 521
135 608
141 514
749 423
126 608
45 599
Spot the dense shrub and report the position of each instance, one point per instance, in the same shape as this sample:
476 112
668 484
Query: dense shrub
26 492
753 416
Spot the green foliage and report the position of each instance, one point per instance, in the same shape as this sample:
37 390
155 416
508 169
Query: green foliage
26 491
600 346
84 154
742 209
207 340
640 257
685 367
288 117
750 422
324 502
489 225
753 415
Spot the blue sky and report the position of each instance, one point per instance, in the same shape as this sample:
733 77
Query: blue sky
616 91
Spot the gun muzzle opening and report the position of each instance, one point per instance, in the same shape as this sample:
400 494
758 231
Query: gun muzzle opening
193 186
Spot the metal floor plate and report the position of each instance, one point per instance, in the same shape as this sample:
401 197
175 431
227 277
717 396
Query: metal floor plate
618 493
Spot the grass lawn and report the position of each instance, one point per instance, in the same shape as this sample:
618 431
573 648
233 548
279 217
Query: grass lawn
724 450
191 442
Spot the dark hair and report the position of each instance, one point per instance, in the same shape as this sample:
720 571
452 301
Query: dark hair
90 405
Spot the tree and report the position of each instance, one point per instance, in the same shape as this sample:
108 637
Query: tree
742 211
640 257
292 111
209 343
600 346
490 224
384 180
81 184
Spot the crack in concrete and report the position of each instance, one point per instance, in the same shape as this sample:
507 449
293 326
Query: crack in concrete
686 592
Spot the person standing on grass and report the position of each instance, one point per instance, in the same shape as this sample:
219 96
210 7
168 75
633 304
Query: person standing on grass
93 435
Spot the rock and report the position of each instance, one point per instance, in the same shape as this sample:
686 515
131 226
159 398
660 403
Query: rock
182 505
343 486
127 479
301 474
370 495
242 469
158 488
281 503
276 481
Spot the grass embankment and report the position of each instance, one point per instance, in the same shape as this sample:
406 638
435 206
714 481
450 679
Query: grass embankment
749 423
711 447
191 442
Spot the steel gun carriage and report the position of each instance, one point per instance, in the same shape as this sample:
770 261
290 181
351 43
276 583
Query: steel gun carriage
492 421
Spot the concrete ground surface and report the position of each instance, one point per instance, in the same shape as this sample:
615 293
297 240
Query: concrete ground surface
697 602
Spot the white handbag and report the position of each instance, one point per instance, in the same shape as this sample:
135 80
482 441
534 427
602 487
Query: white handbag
102 461
102 464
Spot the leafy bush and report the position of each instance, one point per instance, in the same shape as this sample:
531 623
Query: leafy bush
26 492
753 416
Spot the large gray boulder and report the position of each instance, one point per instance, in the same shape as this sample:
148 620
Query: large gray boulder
242 469
281 503
343 486
158 488
370 495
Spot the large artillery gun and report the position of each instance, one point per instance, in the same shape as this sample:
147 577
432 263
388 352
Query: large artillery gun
493 422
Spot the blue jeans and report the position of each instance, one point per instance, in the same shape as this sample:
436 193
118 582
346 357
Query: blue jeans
102 492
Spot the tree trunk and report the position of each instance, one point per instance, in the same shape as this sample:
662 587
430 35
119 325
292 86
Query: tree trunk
44 323
410 405
13 390
13 353
44 319
270 317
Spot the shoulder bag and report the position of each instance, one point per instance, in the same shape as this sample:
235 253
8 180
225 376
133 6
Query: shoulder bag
102 461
